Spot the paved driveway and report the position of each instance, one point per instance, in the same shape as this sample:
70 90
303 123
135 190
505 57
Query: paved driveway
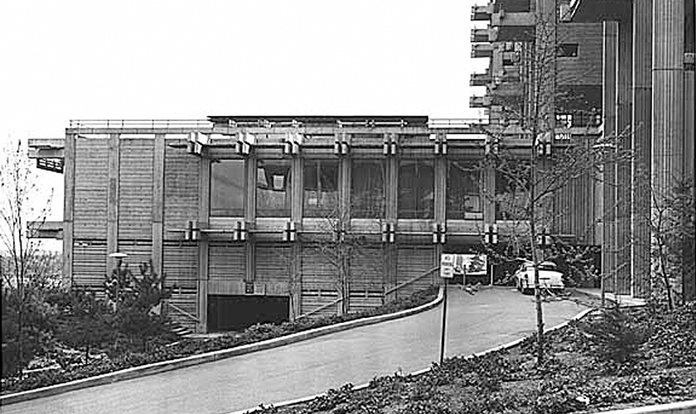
475 323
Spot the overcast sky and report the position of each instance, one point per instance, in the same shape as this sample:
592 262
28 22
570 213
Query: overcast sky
62 60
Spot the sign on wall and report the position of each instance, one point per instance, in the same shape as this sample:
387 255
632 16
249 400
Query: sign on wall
463 264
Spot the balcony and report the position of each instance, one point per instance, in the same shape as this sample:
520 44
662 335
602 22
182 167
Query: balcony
480 79
505 89
503 19
479 102
481 50
513 26
481 13
481 35
511 59
513 5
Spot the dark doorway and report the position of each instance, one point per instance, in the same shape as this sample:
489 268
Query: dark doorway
236 312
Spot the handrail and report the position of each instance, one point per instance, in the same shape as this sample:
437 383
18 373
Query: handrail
140 123
411 280
456 122
320 308
181 311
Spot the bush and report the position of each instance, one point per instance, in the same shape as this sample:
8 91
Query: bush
134 300
86 322
615 336
124 289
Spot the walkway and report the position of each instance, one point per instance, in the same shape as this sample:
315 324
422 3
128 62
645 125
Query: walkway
475 323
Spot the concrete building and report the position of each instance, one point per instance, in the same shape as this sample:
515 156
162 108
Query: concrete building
238 211
632 61
257 217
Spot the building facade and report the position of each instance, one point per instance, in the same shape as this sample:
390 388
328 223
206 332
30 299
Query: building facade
277 217
632 61
245 213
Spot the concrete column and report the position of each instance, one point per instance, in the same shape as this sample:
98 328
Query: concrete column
297 192
203 245
689 111
112 200
609 116
667 94
68 207
624 168
344 178
391 213
158 204
440 193
250 215
642 129
667 102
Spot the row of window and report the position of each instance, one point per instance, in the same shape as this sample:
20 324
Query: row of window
416 194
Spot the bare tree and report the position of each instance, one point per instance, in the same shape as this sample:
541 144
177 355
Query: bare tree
26 268
671 224
535 170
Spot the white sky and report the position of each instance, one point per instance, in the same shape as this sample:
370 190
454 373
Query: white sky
69 59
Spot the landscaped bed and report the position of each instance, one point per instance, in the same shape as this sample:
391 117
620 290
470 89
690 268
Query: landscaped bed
616 358
72 368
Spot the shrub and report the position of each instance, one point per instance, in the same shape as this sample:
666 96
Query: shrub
86 322
614 336
135 300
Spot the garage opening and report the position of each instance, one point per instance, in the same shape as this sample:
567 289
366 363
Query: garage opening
236 312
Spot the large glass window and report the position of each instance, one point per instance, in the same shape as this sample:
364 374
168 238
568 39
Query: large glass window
367 189
273 195
416 189
320 187
227 188
512 192
463 190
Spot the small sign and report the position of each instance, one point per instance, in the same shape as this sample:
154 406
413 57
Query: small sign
447 266
462 264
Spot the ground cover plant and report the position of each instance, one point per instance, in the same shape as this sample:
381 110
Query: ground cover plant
614 358
71 365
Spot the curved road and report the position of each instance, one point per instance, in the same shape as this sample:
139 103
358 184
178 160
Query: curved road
474 323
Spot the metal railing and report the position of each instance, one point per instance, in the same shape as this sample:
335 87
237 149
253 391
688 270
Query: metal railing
320 308
139 123
170 306
410 281
386 292
457 122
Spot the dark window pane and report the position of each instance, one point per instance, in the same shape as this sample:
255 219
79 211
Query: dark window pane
227 188
463 190
273 195
367 189
416 192
320 188
512 192
568 50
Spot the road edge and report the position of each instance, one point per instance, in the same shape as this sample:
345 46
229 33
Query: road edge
508 345
163 366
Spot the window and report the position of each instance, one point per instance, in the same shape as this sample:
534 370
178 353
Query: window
320 188
512 194
367 189
273 195
463 190
568 50
564 120
227 188
416 192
